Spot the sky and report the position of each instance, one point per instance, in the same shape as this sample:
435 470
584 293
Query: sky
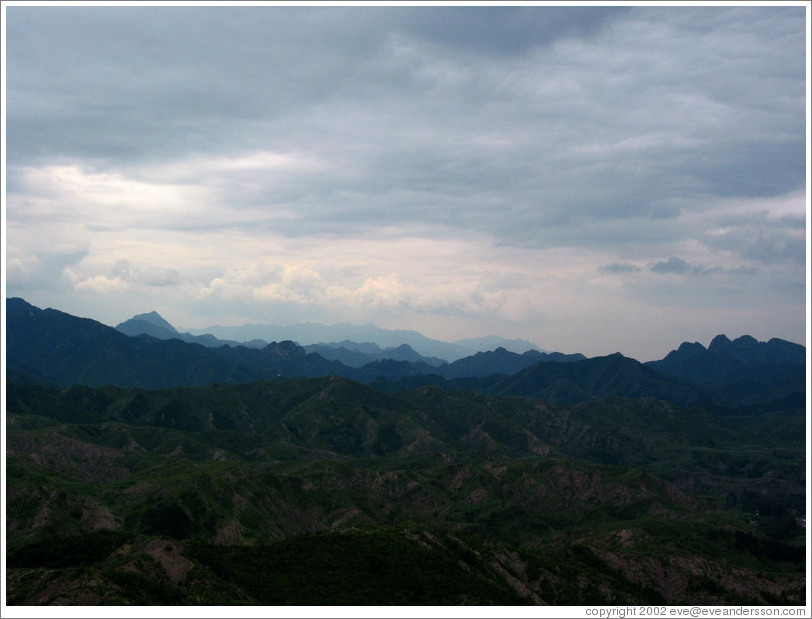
592 179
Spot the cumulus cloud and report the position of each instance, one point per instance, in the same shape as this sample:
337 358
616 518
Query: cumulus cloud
321 284
124 276
149 276
102 284
49 268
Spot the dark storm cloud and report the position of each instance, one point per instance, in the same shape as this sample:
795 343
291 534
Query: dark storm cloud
505 30
122 83
539 132
672 105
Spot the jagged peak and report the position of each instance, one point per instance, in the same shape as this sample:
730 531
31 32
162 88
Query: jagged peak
718 341
153 318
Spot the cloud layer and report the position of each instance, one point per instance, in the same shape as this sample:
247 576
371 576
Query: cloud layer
589 178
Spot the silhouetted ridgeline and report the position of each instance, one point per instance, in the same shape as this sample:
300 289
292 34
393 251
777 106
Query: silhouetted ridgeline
51 347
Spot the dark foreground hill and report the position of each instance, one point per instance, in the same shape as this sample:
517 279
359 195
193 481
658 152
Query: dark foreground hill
325 491
724 357
742 372
751 388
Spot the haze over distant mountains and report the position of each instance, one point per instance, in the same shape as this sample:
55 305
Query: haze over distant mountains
353 345
317 333
52 347
154 325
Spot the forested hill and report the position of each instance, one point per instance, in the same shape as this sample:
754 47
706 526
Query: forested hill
324 491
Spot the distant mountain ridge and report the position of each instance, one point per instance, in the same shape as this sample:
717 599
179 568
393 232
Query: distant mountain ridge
149 318
354 355
154 325
361 343
724 356
55 348
307 334
501 361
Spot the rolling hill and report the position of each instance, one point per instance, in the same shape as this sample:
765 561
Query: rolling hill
203 495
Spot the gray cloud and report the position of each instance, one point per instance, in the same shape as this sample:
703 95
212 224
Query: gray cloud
151 276
506 30
46 270
677 266
617 267
614 135
761 238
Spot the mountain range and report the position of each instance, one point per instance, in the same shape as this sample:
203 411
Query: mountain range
53 347
154 325
144 469
317 333
352 353
358 354
725 357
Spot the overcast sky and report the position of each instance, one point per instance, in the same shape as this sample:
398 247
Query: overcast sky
592 179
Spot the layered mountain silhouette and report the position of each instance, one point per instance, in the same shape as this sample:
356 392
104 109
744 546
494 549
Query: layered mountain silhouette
52 347
150 323
154 325
501 361
307 334
350 353
355 354
724 357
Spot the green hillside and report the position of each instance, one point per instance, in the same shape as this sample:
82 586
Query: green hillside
209 494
